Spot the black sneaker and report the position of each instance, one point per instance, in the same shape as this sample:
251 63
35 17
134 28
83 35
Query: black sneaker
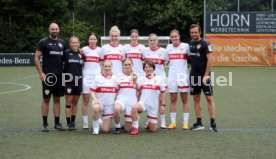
45 128
59 127
72 127
213 128
197 126
117 131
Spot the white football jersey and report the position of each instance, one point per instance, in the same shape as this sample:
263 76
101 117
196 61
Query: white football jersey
105 88
150 90
91 61
127 89
159 57
135 53
178 60
114 54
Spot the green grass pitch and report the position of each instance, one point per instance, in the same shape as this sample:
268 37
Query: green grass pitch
245 115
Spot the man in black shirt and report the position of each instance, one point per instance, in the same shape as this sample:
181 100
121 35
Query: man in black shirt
51 49
201 59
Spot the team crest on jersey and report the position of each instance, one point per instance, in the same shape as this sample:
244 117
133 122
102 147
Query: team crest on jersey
198 46
181 50
47 92
69 90
60 45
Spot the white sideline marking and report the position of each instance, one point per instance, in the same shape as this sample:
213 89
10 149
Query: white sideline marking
26 87
12 82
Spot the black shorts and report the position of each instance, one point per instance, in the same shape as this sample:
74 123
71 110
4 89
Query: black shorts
53 87
71 89
196 85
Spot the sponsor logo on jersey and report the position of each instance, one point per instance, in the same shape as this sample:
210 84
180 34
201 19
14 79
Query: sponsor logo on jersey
91 59
113 57
106 89
127 85
133 55
56 52
150 86
74 61
178 56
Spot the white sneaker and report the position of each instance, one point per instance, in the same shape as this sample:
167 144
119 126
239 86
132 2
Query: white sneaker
85 126
96 129
163 125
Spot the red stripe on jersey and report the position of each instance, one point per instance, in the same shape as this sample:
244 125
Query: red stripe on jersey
156 61
113 57
127 116
150 86
127 85
106 90
183 87
178 56
91 59
151 117
133 55
93 90
107 114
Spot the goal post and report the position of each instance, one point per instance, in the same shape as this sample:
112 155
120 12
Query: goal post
163 41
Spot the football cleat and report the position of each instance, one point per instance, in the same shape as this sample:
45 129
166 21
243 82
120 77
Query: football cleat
134 131
197 126
185 126
172 126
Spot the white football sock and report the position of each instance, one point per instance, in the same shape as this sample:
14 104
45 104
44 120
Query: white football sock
173 117
186 118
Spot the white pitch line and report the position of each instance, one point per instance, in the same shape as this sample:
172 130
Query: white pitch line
26 87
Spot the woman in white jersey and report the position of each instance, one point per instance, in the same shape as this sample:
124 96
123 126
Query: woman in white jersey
133 51
151 88
113 51
126 96
103 92
91 68
159 56
178 79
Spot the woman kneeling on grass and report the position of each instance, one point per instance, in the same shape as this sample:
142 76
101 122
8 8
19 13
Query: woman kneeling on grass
151 88
103 92
126 96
